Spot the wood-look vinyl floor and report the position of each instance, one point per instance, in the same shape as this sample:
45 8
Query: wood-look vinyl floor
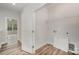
50 50
45 50
13 50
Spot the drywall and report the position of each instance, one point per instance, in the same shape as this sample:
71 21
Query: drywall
4 14
8 13
27 25
3 32
41 27
64 18
26 30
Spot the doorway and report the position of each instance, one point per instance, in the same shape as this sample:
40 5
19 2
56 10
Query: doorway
11 31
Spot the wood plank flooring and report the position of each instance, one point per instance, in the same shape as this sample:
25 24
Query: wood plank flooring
50 50
13 50
45 50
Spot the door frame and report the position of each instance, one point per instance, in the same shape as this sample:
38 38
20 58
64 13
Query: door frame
6 19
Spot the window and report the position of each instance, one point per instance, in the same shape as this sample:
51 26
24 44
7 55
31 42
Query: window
12 26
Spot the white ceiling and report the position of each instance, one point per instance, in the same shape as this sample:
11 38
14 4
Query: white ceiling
17 7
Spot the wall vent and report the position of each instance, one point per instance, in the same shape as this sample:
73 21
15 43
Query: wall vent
71 47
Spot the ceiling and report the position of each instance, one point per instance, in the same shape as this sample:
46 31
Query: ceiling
17 7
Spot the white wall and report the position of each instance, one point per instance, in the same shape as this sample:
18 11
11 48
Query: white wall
41 27
64 18
4 14
27 25
8 13
3 32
